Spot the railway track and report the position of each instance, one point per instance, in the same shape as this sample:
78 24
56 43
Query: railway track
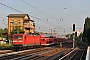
79 53
42 53
5 51
36 54
76 55
47 53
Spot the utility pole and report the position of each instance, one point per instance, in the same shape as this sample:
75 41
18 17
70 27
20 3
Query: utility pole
49 27
51 31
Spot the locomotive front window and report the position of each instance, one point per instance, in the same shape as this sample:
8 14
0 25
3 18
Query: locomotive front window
18 37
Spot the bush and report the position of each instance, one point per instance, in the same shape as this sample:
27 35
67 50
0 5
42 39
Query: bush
5 45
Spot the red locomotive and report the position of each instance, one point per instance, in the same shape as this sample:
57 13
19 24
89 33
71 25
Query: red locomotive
24 41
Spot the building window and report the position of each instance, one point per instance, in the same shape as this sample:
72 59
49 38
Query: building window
12 22
25 22
19 22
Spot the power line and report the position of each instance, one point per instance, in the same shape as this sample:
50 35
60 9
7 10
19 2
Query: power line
77 13
11 7
23 13
37 9
74 14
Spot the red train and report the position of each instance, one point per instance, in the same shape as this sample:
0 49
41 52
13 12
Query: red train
24 41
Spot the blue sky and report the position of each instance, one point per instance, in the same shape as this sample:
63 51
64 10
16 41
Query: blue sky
71 11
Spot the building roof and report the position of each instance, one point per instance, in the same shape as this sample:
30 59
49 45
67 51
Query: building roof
17 15
32 20
20 15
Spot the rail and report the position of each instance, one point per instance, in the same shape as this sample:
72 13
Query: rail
88 53
67 54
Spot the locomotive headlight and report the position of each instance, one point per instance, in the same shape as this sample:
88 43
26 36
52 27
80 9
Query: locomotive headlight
19 41
14 41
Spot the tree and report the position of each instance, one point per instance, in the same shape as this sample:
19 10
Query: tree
1 30
86 32
5 30
17 30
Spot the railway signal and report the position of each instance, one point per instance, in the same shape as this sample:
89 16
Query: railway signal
73 27
73 35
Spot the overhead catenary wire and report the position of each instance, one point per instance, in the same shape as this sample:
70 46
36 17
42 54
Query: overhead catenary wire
77 13
41 12
11 7
38 9
51 16
39 18
24 13
29 15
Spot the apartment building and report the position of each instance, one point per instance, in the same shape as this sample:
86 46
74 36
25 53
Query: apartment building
22 21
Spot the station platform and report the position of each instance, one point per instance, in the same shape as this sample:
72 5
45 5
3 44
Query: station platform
88 53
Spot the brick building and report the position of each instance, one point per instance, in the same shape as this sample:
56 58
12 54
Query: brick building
21 20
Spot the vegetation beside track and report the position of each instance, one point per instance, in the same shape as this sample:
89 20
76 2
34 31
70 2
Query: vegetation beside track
5 46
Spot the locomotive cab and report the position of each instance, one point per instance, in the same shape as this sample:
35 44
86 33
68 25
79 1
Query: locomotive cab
17 39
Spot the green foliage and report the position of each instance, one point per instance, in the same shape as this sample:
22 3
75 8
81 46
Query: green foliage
17 30
5 45
1 30
5 30
86 32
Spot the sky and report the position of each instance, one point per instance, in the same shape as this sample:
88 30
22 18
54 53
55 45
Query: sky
55 15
